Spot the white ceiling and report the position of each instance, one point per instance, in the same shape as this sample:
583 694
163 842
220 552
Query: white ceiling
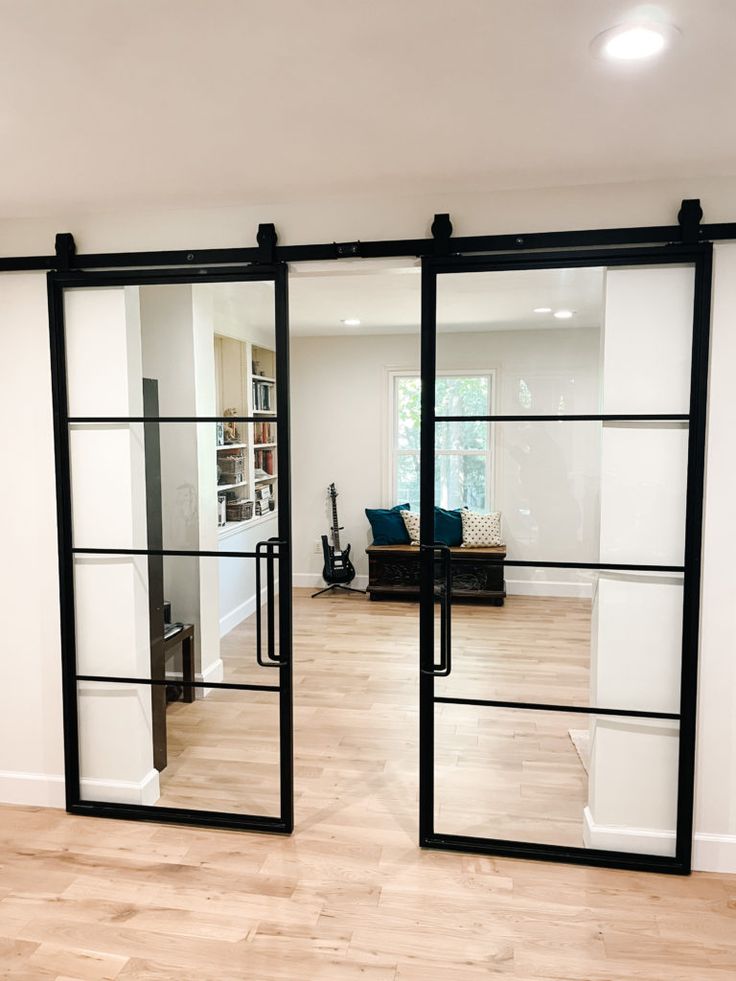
385 297
110 103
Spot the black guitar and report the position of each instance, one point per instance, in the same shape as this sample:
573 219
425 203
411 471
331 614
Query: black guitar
338 569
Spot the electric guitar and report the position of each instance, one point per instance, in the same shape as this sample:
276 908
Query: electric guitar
337 568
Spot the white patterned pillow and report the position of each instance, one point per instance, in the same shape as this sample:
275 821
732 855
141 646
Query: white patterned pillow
481 529
411 520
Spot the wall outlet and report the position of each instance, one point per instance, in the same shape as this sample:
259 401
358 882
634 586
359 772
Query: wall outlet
317 547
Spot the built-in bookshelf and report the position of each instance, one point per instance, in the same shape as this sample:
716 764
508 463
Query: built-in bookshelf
263 400
247 460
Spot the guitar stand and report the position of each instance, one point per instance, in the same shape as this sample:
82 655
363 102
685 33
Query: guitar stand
338 585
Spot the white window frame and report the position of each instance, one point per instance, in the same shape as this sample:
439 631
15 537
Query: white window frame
392 377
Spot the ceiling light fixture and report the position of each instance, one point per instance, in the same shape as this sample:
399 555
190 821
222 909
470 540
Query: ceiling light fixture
351 322
563 314
543 309
634 42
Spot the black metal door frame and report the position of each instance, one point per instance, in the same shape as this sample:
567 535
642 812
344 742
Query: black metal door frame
700 255
274 552
687 241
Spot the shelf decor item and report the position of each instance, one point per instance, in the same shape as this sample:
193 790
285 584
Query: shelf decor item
231 468
231 429
239 510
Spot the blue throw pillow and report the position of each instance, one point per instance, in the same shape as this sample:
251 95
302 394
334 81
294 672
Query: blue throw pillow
388 526
448 526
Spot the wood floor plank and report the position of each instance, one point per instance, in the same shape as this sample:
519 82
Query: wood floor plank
84 965
350 895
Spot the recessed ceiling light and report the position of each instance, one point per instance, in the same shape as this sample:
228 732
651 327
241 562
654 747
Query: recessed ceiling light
351 322
543 309
634 42
563 314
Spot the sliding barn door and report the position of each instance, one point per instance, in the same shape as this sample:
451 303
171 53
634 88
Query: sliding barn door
563 401
175 544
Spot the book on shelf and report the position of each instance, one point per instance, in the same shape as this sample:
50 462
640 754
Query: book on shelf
263 432
263 397
263 460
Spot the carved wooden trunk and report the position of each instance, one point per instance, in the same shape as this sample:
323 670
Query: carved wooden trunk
477 573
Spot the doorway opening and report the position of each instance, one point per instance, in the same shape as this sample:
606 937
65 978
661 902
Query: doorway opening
514 449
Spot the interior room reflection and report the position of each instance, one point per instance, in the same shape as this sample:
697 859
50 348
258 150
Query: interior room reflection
548 342
188 351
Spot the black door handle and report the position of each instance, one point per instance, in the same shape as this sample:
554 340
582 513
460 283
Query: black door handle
271 660
443 669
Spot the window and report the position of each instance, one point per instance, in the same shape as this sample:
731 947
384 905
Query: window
463 449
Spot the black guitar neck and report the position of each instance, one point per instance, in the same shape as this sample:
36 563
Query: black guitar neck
335 525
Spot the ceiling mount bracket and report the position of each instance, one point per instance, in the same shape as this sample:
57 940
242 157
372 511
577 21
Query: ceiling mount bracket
65 248
441 232
267 239
689 218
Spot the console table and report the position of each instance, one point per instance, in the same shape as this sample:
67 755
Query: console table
184 638
477 573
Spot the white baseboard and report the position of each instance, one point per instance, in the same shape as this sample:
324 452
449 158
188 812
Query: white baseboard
711 853
145 791
215 672
541 587
47 790
647 841
714 853
314 580
241 612
231 620
32 789
514 587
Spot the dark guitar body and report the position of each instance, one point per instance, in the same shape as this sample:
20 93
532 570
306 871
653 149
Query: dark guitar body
337 568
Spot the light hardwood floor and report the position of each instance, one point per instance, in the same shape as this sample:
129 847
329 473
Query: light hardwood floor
498 773
350 895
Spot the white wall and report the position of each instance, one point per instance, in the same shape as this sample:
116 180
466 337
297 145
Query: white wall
203 348
636 636
30 709
546 477
715 782
339 433
238 577
176 329
108 491
245 312
168 357
31 744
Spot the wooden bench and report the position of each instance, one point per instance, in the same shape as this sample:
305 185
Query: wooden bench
477 573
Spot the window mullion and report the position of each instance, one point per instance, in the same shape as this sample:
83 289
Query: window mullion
483 454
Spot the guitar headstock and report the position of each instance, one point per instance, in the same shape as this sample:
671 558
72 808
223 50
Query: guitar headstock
332 491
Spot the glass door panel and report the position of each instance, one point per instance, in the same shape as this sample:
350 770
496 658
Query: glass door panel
556 779
611 640
172 399
557 423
